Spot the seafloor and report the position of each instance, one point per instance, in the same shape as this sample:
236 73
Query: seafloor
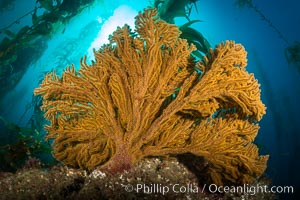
150 179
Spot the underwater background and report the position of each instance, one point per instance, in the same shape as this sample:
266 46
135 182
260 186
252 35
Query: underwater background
269 31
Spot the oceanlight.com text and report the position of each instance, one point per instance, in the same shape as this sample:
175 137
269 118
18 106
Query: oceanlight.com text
250 189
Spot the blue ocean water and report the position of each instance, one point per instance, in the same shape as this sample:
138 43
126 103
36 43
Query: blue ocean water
221 20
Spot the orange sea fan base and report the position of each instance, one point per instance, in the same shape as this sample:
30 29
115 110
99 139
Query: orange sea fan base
143 97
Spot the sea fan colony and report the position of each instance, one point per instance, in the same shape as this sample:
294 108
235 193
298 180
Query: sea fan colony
146 96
